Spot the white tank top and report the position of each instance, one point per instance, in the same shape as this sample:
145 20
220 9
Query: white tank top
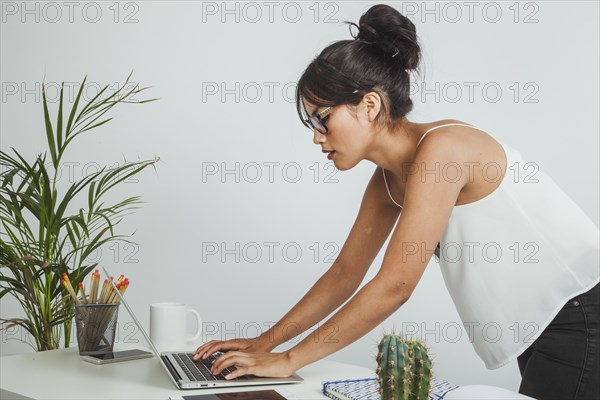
511 260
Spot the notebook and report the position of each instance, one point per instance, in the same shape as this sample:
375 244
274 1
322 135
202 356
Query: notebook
368 389
191 374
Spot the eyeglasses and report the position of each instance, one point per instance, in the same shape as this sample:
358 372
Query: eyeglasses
317 121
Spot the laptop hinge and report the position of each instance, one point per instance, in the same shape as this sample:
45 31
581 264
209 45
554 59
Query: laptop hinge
172 369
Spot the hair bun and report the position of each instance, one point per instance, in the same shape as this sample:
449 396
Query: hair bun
392 33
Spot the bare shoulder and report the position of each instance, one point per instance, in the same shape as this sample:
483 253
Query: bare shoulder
450 143
469 148
464 143
466 133
449 151
440 166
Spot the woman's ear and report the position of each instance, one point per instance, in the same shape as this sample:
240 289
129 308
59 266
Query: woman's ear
372 102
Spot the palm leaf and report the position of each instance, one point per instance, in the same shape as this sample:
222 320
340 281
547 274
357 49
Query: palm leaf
59 123
74 109
49 131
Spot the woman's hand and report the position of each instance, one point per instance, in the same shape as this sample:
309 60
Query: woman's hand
272 365
247 345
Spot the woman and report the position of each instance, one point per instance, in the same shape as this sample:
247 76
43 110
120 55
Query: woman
460 193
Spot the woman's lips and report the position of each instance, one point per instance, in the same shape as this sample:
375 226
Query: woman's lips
330 155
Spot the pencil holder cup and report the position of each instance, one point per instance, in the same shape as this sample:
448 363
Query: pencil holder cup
96 327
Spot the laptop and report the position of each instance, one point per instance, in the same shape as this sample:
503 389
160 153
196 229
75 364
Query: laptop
187 373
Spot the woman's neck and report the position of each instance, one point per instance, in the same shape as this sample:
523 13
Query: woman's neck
395 149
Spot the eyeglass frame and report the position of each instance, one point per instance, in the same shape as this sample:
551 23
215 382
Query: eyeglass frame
316 120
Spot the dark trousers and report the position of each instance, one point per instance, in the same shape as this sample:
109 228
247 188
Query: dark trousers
564 362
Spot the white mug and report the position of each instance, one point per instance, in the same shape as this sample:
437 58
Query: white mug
168 326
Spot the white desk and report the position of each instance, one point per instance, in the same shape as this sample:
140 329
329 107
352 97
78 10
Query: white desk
61 374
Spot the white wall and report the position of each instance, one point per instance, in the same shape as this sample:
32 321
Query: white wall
542 55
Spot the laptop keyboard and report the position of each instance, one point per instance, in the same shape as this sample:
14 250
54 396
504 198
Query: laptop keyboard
199 370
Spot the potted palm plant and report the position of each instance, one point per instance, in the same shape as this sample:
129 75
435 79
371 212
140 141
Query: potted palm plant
45 231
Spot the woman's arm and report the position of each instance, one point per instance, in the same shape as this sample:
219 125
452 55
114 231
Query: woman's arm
429 201
373 224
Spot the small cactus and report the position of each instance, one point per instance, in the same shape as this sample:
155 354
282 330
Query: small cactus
404 369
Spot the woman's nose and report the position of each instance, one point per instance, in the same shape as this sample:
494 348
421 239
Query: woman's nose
318 137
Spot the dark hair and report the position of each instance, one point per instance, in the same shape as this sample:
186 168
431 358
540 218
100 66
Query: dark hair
378 59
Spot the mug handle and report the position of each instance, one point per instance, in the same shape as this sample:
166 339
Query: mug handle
198 327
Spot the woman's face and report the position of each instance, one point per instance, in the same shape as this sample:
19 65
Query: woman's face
347 134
